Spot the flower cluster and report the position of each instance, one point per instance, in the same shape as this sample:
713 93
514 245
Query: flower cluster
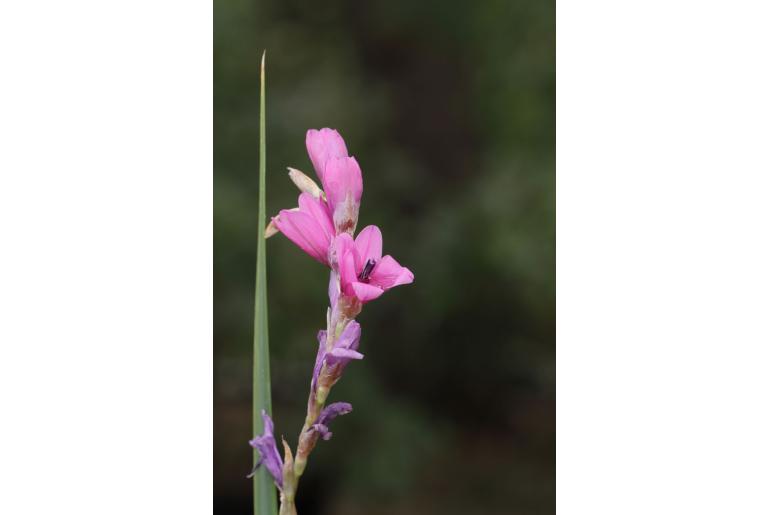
323 225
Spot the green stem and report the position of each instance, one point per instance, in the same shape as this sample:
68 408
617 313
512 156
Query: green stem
287 508
317 400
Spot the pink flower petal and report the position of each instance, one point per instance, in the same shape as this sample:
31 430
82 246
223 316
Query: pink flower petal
350 337
346 353
316 208
334 287
323 145
388 273
369 245
305 231
366 292
341 245
347 271
342 177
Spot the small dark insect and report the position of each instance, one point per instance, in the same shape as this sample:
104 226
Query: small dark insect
366 272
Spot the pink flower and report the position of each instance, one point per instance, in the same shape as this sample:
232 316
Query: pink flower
308 226
364 272
320 217
343 186
323 145
340 176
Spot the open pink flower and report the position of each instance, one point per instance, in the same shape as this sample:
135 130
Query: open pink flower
319 218
309 226
363 271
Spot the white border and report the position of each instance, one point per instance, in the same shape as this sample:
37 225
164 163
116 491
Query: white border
662 257
106 267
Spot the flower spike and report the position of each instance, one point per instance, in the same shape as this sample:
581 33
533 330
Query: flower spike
323 225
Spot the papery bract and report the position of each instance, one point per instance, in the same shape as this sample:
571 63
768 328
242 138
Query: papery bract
268 452
305 184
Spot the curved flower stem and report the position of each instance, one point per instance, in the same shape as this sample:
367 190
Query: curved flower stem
292 472
308 438
338 319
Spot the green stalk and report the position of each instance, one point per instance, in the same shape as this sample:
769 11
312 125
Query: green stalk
264 490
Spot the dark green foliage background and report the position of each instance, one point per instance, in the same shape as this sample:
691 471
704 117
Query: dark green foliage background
449 107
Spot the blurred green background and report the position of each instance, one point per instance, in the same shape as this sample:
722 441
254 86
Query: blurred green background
449 107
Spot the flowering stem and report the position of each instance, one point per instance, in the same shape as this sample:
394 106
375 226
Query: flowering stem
340 316
289 483
287 507
323 226
307 438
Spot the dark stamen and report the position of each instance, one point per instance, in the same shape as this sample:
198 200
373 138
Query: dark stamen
366 272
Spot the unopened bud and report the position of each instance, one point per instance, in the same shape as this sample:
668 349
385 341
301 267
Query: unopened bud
305 184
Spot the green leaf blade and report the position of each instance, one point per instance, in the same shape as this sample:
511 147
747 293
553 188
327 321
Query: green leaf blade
264 491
